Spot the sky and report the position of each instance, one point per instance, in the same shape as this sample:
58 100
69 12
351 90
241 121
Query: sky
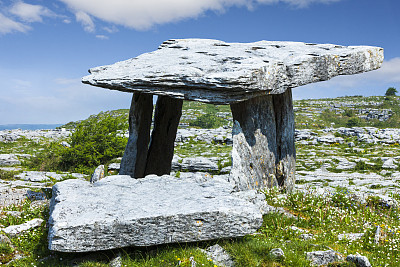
47 46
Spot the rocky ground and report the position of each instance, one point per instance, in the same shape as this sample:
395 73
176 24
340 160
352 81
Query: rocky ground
364 161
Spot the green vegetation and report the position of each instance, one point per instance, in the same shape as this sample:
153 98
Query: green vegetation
391 91
323 216
207 121
95 141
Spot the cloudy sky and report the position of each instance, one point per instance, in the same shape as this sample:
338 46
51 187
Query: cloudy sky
47 46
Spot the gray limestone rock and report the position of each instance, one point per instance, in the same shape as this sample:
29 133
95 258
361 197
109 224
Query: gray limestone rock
9 160
351 236
161 150
219 256
98 174
17 229
277 253
114 166
263 153
134 160
218 72
199 164
119 211
360 261
319 258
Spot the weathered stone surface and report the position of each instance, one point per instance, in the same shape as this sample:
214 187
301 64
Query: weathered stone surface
199 164
98 174
286 159
134 160
9 160
218 72
166 119
263 153
360 261
17 229
219 256
319 258
277 253
119 211
351 236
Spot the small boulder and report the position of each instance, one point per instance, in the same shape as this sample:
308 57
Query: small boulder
97 175
14 230
219 256
319 258
277 253
360 261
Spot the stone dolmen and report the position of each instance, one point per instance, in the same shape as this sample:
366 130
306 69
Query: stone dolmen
255 79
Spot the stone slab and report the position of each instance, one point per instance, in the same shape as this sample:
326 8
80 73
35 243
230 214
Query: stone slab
119 211
214 71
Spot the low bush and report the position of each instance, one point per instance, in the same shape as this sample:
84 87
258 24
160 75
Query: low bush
95 141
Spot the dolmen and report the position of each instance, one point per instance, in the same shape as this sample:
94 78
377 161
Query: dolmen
256 80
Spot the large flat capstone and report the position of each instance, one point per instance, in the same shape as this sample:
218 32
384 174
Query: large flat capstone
119 211
224 73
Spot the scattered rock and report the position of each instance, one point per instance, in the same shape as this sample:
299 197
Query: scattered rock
119 211
199 164
9 160
97 175
114 166
319 258
16 229
351 236
377 236
5 240
116 262
360 261
219 256
306 236
65 144
277 253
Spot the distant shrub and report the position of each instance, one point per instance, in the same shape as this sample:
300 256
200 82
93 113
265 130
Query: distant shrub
391 91
207 121
353 122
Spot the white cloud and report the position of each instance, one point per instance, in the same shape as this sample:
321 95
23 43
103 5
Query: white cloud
67 21
30 13
389 72
85 20
8 25
142 15
102 37
111 29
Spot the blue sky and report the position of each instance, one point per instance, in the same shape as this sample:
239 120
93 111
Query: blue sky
47 46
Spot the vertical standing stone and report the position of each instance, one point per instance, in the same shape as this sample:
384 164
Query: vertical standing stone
166 120
254 149
263 153
134 160
284 116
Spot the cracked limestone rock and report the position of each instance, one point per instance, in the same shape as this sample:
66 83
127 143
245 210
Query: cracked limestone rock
217 72
119 211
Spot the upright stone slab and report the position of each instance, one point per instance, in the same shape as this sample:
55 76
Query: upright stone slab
134 160
254 151
285 141
166 120
263 153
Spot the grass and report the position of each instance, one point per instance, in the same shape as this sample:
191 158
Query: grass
324 216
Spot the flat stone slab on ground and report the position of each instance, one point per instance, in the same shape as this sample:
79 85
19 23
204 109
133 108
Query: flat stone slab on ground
120 211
